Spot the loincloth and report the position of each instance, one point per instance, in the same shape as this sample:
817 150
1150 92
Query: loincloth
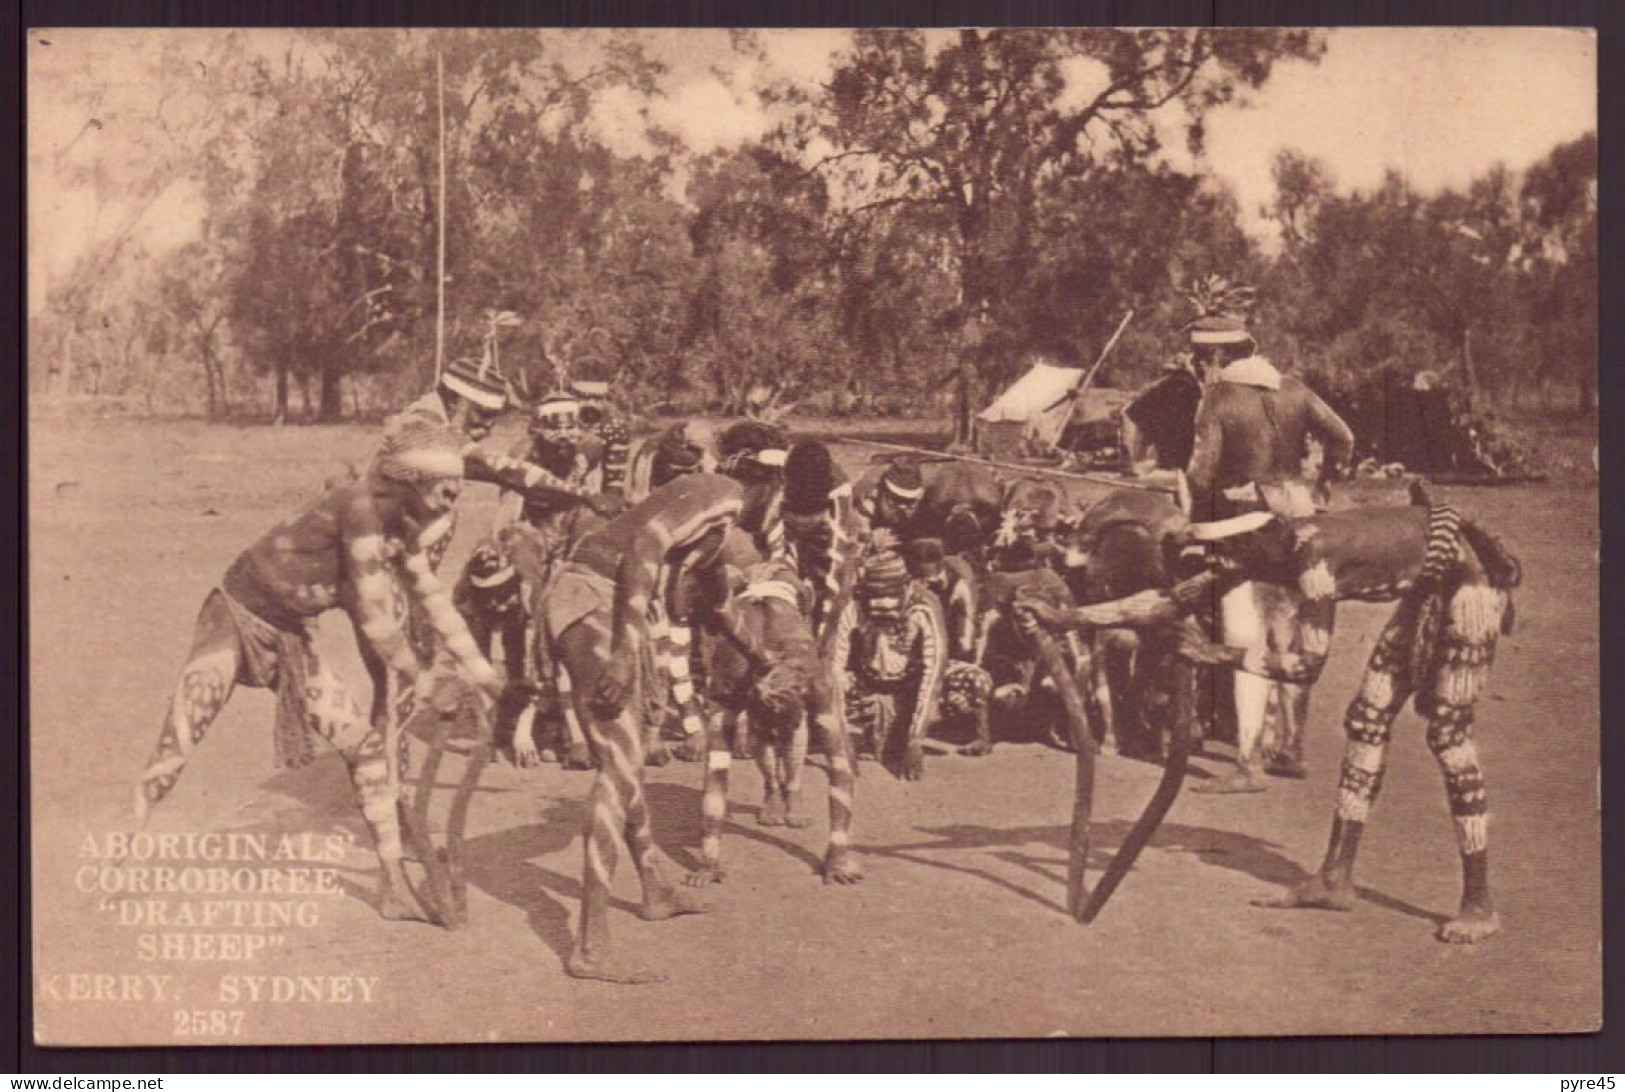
574 593
281 660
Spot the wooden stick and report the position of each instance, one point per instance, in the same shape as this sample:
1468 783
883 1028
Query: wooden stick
1173 777
440 257
1071 475
1083 785
1104 353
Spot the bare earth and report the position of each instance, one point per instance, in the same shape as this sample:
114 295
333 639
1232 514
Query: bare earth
959 929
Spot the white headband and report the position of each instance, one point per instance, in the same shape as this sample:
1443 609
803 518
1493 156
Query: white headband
501 576
1219 337
486 399
773 456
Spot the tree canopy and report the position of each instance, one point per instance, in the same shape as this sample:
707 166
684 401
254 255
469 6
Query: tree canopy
912 232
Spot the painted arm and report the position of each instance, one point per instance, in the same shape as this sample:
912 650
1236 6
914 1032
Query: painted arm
376 609
447 621
518 475
1333 433
1143 609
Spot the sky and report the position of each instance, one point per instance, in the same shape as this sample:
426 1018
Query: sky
1440 104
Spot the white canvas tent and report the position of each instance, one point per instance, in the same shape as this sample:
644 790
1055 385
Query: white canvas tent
1033 412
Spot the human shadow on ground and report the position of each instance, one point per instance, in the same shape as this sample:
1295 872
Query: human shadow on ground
1232 850
682 804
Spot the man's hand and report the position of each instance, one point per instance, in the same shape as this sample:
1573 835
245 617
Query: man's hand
1040 612
1192 594
1194 646
608 505
614 687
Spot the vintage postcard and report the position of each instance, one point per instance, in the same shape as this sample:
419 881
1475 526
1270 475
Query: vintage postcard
595 535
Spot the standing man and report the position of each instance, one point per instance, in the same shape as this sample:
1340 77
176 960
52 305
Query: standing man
600 417
1252 438
822 529
467 399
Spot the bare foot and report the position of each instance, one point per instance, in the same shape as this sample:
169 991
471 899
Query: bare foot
1237 781
658 754
608 968
1109 746
1315 893
772 813
840 868
1472 925
705 876
796 822
1295 768
673 903
977 749
914 762
525 755
578 757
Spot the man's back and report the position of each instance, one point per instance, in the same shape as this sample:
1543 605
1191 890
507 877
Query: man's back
1254 426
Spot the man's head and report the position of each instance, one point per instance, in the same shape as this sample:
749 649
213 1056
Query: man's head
901 488
593 394
475 396
753 454
1219 335
1219 340
425 460
810 478
674 456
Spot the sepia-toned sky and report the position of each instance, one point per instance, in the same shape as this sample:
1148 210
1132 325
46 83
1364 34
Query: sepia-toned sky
1440 104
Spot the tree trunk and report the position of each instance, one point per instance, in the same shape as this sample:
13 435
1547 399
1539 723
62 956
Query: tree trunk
281 391
1469 373
332 393
962 402
208 380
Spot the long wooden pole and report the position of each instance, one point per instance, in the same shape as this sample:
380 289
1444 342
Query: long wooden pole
1104 353
440 249
1016 468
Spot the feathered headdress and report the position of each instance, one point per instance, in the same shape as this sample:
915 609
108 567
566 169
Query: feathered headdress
1222 310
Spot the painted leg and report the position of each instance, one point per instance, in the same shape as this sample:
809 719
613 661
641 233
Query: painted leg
1293 711
840 864
582 649
767 760
693 746
206 682
335 717
1242 626
791 765
1450 740
1383 691
714 801
577 754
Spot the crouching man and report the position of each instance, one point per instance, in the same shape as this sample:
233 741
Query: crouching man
596 624
1453 583
257 629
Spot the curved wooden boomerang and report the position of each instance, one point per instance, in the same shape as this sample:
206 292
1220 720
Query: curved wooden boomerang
447 901
1083 904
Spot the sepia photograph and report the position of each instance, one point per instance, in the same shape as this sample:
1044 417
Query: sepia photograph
654 535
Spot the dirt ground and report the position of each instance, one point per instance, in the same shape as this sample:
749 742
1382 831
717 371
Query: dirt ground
959 929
